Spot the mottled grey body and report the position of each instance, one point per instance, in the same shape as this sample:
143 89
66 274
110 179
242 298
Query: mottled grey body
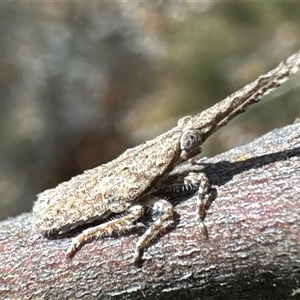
127 183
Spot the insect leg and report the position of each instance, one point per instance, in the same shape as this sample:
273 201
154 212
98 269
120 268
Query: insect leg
200 180
134 212
191 182
165 209
202 198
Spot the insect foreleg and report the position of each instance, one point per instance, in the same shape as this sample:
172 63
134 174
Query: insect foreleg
202 199
191 182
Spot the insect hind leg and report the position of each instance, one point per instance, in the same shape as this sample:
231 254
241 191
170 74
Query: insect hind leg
125 222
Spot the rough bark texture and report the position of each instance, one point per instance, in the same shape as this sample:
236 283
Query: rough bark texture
253 250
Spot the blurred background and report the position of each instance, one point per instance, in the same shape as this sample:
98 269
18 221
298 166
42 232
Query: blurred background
82 81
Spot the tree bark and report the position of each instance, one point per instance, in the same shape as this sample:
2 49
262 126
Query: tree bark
253 250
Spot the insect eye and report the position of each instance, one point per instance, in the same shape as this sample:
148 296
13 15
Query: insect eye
190 139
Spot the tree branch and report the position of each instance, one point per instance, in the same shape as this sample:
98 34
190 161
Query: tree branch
253 250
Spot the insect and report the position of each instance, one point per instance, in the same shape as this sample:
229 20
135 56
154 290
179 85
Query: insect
132 181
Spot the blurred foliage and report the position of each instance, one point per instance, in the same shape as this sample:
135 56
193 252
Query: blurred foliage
82 81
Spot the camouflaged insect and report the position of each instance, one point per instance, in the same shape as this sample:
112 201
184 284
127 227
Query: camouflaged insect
127 184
